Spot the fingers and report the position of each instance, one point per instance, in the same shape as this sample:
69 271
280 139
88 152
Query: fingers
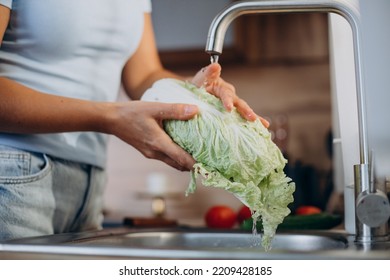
184 164
264 122
210 78
167 111
163 147
207 75
140 124
224 91
227 93
175 156
244 110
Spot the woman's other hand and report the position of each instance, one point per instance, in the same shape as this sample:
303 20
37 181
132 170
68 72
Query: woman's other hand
140 124
210 78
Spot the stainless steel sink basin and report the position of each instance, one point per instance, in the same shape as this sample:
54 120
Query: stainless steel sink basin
220 240
192 244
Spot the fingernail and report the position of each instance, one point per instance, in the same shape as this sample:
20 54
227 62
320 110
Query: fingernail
229 106
265 122
190 110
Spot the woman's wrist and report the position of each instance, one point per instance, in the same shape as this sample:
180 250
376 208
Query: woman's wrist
103 117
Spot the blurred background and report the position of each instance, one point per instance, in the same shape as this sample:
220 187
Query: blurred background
279 64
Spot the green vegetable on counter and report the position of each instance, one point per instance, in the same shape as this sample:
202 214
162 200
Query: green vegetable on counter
231 153
320 221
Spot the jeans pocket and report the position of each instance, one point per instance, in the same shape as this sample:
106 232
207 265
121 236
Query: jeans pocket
27 202
18 166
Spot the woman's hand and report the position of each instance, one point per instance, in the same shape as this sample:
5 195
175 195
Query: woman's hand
210 78
140 124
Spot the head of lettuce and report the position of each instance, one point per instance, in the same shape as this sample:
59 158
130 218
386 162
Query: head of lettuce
231 153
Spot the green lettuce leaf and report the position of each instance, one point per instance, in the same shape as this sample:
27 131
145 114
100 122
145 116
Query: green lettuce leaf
232 153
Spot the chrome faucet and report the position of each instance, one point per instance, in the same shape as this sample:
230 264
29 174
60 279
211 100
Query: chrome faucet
372 209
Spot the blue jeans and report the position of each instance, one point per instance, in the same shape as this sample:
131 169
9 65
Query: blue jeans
40 195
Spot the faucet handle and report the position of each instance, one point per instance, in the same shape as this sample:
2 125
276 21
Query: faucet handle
372 205
373 209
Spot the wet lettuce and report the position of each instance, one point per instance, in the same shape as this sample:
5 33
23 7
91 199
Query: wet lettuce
231 153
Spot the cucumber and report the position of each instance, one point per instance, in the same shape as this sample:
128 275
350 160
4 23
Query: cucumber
319 221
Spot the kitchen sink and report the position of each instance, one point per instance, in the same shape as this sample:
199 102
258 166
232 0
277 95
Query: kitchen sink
219 240
187 243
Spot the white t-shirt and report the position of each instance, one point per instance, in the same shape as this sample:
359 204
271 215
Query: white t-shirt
73 48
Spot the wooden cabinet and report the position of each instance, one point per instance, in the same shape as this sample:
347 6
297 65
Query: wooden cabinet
264 39
268 38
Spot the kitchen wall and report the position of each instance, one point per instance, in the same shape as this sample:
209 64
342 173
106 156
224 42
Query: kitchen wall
183 24
375 60
295 88
376 46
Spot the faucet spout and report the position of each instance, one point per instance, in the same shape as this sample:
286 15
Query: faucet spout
218 27
214 47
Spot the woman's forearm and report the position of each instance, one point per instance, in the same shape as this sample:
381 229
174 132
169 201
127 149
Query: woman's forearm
4 19
23 110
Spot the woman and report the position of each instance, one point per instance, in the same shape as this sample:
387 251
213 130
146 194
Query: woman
61 65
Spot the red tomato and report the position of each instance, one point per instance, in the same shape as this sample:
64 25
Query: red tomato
307 210
243 214
220 216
